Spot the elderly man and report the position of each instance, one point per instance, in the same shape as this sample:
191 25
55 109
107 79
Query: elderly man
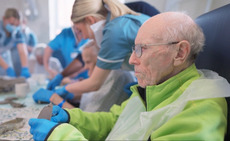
172 101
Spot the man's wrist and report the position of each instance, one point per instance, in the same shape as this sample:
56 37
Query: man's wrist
56 99
61 104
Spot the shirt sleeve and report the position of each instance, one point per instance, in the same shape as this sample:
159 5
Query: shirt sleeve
32 40
56 43
19 38
118 39
95 126
116 44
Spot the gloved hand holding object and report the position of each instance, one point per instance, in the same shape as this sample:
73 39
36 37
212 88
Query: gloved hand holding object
64 93
59 115
42 95
10 72
55 82
25 72
40 128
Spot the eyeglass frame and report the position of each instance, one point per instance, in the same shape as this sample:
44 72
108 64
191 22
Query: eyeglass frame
140 46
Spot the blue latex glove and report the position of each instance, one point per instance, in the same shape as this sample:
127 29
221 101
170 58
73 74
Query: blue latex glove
127 88
55 82
64 93
10 72
59 115
25 72
42 95
40 128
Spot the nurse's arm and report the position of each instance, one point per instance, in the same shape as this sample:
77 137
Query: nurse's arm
93 83
47 54
72 68
22 51
3 64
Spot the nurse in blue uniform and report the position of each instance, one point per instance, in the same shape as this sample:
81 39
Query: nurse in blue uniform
114 27
11 37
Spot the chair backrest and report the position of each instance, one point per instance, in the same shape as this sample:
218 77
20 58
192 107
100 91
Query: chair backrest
216 55
143 7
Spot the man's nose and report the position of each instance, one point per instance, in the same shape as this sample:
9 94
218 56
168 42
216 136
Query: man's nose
132 59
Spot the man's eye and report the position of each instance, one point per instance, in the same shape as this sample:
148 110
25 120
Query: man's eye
143 48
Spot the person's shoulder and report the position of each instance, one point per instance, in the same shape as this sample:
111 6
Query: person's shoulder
67 30
127 19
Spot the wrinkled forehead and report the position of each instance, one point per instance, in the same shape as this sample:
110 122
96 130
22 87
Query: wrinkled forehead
149 33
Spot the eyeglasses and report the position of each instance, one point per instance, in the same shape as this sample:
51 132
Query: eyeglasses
138 48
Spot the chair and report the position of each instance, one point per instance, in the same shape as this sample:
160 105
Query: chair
216 54
143 7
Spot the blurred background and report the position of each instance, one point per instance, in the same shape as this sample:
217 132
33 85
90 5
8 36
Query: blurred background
46 18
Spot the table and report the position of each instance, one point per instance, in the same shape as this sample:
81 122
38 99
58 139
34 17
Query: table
7 112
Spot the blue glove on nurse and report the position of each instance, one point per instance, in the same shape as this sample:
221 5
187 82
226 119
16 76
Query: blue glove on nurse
59 115
10 72
25 72
42 95
64 93
40 128
55 82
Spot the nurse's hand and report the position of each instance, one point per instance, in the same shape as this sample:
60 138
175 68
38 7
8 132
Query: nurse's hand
25 72
59 115
64 93
55 82
42 95
40 128
10 72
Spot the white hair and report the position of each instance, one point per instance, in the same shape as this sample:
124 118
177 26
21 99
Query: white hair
39 49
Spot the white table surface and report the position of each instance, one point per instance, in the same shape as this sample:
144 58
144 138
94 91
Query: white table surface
7 112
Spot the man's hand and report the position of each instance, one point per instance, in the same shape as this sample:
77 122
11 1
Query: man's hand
59 115
40 128
25 72
42 95
10 72
64 93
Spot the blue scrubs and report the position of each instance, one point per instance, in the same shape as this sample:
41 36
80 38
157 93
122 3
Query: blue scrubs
118 38
65 42
30 40
7 43
30 37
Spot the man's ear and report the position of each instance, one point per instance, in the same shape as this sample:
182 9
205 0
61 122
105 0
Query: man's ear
183 52
90 19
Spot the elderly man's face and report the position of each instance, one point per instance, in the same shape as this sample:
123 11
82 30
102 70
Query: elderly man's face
90 59
156 63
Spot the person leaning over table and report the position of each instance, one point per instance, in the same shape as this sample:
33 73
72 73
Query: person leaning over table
30 41
137 6
103 99
11 37
36 65
114 27
172 101
68 43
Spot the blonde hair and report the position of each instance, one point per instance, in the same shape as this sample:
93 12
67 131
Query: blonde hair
96 8
12 12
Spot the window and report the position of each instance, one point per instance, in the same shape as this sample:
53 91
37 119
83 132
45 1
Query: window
59 15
